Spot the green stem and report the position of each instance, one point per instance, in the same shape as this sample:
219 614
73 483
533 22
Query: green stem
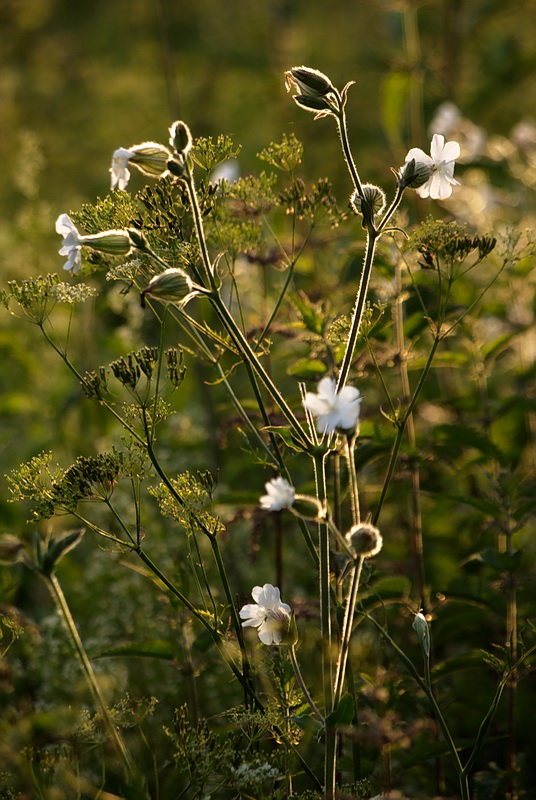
348 157
401 425
359 307
346 634
303 685
65 613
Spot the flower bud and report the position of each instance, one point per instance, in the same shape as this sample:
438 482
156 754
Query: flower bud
138 239
420 626
180 138
11 549
150 158
114 243
413 174
176 166
370 204
308 81
315 91
173 285
364 540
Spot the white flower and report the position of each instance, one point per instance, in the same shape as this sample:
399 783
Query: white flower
334 409
119 169
71 242
441 164
279 494
268 614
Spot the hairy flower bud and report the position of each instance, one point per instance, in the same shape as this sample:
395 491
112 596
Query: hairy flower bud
364 540
173 285
114 243
180 138
314 90
150 158
413 174
370 204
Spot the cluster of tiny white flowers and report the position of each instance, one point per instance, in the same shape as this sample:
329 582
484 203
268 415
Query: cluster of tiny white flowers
254 773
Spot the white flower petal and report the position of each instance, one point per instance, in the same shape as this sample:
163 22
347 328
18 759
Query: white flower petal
436 148
451 151
419 155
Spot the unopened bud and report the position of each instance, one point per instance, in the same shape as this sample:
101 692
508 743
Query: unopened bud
150 157
308 81
138 239
364 540
314 90
180 138
421 628
173 285
114 243
177 166
370 204
413 174
11 549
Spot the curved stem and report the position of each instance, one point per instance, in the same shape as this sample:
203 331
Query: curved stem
65 614
303 685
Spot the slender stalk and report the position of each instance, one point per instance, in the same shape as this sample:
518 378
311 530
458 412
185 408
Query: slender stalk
303 685
401 425
416 520
65 613
359 307
346 634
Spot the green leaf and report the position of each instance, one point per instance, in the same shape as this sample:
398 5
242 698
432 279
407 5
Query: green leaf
343 714
306 368
286 435
311 317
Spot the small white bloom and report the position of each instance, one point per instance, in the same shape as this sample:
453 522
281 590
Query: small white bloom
441 163
71 242
279 494
119 169
334 409
268 614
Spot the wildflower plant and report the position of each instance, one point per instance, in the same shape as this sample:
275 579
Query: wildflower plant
185 250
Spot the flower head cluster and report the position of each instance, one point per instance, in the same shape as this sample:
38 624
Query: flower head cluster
432 175
279 494
334 410
268 614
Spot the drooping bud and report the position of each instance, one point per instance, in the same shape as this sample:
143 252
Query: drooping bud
114 243
150 158
315 91
173 285
180 138
364 540
413 174
370 204
421 628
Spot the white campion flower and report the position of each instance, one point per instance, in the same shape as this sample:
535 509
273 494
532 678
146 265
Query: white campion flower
71 245
268 614
334 409
150 158
279 494
440 163
120 173
113 242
